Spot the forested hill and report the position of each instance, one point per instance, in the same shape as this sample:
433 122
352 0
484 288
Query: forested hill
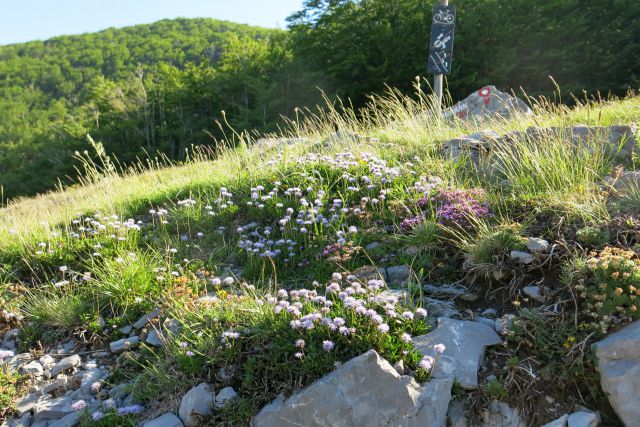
141 90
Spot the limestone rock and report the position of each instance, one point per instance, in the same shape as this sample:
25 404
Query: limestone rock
455 414
522 257
69 420
68 362
155 339
24 421
619 366
533 292
584 419
26 403
89 377
369 272
398 275
124 344
224 396
365 391
14 363
166 420
535 244
142 322
499 414
53 408
33 368
465 343
560 422
196 403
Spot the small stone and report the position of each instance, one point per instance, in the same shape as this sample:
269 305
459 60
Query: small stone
142 322
125 330
166 420
33 368
369 272
47 362
68 362
11 335
583 419
223 396
155 339
522 257
172 326
398 275
196 403
470 297
124 344
535 244
534 293
399 367
560 422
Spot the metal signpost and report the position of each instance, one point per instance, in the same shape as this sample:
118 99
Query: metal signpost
441 45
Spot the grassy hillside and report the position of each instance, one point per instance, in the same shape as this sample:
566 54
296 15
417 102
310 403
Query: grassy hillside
266 219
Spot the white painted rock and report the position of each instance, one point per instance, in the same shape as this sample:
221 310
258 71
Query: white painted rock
619 365
195 404
464 342
365 391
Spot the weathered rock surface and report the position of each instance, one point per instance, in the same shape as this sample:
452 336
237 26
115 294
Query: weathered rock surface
365 391
534 293
224 396
142 322
398 275
166 420
195 404
584 419
522 257
499 414
68 362
465 343
124 344
560 422
24 421
619 365
53 408
535 244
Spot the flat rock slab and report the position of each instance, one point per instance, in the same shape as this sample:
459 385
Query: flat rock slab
166 420
365 391
53 408
584 419
124 344
465 343
619 365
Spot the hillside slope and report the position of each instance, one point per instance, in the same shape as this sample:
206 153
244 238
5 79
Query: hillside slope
272 265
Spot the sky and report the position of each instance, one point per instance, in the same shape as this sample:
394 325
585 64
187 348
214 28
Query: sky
25 20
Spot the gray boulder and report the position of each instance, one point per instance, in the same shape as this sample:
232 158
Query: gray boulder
33 368
166 420
196 404
142 322
464 342
365 391
619 366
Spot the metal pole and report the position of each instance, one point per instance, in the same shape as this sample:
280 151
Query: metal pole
438 79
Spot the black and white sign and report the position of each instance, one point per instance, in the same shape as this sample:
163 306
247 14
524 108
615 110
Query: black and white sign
442 35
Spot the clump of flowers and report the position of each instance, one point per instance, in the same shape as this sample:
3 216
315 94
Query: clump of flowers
610 287
456 207
340 252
